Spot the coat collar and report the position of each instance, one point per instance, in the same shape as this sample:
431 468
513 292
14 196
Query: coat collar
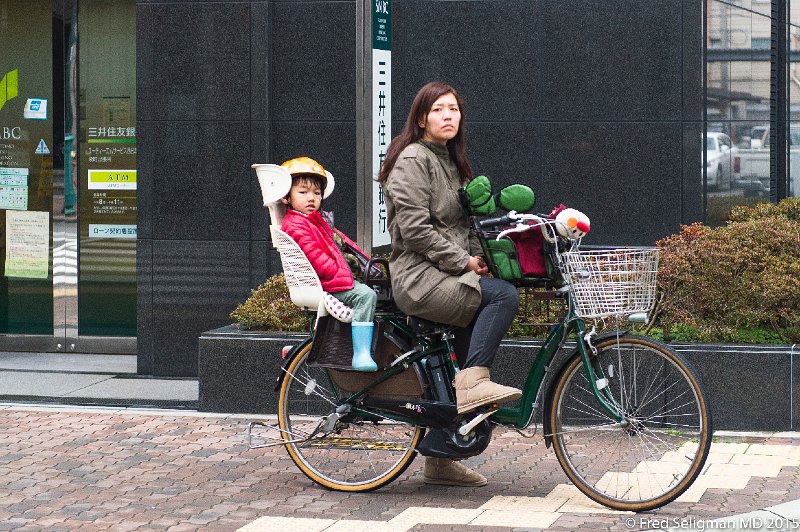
316 216
437 149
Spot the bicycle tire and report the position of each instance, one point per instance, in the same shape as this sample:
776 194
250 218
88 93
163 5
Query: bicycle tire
658 452
357 456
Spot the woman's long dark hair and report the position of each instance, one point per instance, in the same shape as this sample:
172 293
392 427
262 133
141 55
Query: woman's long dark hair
412 132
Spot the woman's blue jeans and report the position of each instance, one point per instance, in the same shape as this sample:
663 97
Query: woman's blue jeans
481 338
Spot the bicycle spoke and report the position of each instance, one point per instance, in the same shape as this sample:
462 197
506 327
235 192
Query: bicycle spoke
666 412
590 410
665 390
650 383
586 429
590 394
305 384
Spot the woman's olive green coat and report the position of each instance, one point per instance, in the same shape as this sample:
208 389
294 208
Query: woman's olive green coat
431 239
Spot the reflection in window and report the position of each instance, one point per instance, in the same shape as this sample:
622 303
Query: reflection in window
737 106
107 144
793 186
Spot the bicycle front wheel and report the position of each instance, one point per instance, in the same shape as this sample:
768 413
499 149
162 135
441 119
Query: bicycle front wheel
658 449
350 452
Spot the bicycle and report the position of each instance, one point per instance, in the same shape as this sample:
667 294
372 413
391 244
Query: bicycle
625 414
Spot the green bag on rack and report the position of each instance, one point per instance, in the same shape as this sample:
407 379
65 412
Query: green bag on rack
504 258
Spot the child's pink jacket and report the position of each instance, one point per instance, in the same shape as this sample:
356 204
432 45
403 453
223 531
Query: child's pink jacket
315 238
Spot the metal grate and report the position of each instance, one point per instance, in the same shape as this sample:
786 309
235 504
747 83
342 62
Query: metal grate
539 307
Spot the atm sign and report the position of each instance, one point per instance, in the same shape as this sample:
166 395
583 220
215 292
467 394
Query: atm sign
112 179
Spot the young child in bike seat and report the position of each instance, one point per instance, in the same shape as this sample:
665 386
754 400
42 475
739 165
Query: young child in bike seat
304 223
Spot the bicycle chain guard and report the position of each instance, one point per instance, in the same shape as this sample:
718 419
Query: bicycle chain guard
448 443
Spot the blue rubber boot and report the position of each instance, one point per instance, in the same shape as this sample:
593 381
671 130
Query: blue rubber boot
362 345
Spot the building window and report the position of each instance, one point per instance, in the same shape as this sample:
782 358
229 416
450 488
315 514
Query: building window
739 105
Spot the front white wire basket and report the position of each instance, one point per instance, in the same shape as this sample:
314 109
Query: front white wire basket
611 282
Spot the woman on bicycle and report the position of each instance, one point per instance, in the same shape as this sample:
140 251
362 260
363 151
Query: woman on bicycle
438 272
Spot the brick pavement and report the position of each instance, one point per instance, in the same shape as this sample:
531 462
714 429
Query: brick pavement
67 469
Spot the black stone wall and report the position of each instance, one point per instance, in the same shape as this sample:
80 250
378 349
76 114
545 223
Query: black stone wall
747 387
594 103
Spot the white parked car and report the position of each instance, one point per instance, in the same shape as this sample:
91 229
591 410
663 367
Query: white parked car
751 167
719 160
757 136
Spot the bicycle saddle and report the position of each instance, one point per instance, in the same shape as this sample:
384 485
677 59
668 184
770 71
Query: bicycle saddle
421 325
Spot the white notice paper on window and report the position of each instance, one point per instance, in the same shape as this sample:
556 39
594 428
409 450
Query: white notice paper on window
27 244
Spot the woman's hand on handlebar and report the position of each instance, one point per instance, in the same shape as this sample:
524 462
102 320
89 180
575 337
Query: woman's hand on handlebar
477 265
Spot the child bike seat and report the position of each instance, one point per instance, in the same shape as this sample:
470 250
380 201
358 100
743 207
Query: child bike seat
305 288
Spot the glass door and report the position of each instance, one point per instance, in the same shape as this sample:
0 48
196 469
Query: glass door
67 176
28 162
106 146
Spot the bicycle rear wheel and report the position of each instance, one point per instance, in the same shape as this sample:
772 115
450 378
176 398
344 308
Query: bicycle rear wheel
658 450
349 454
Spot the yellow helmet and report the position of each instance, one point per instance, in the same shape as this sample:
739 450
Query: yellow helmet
308 166
304 165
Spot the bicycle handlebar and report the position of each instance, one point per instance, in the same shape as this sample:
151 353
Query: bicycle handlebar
495 222
517 221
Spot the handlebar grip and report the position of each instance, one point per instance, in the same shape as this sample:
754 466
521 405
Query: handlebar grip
375 262
494 222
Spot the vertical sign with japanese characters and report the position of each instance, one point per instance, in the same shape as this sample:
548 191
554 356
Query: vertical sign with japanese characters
381 111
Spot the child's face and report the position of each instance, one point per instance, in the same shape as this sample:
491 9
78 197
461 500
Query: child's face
305 196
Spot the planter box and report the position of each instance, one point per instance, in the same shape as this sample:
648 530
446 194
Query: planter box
749 387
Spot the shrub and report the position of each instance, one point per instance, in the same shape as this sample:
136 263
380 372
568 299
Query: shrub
745 274
719 208
788 209
269 307
736 283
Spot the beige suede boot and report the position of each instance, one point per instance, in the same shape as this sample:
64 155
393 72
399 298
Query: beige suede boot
446 472
474 389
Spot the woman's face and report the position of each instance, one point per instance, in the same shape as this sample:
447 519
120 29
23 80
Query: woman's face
443 120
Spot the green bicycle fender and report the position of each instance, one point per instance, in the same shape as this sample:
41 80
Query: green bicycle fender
292 353
548 399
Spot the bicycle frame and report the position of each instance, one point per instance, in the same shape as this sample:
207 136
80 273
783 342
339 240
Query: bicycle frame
519 416
522 415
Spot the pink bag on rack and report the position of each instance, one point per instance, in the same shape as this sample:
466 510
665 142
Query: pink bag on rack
530 252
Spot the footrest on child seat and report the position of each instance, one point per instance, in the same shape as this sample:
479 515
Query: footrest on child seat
333 345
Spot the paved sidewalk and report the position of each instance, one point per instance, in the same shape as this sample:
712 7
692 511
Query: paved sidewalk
108 380
122 469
